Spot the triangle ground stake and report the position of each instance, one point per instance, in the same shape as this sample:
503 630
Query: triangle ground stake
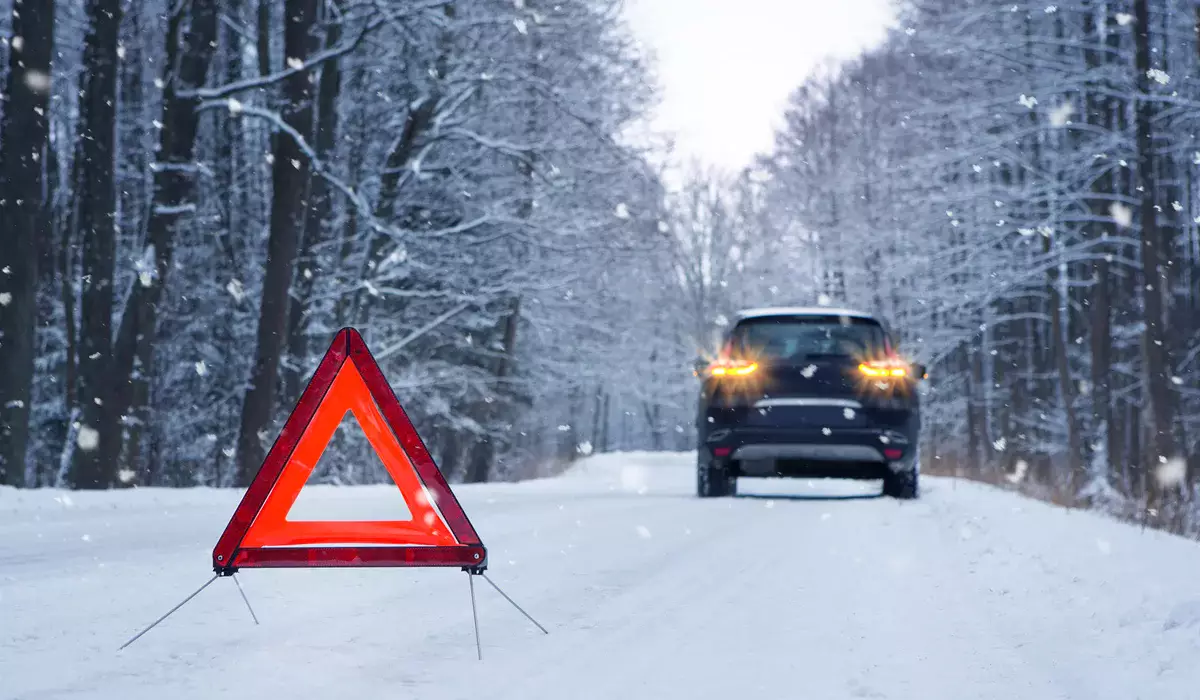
438 534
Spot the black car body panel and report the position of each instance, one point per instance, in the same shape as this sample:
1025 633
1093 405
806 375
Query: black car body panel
810 393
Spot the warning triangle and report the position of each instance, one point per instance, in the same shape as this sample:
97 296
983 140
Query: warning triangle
348 384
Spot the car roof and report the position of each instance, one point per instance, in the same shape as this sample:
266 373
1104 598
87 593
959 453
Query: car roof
802 311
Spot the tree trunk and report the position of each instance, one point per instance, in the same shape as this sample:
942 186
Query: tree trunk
23 136
1156 350
483 452
314 225
93 464
290 178
174 186
1099 302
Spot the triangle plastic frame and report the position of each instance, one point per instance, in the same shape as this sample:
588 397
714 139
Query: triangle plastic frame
461 547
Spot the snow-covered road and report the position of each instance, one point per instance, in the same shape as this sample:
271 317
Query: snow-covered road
968 594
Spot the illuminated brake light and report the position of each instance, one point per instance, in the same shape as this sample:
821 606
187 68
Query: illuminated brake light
732 370
882 369
893 453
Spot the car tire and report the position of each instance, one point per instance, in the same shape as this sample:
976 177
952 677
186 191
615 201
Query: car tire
904 485
713 482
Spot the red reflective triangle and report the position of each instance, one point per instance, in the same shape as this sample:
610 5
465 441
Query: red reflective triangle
348 380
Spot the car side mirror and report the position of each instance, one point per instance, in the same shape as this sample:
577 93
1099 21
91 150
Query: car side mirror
920 371
699 365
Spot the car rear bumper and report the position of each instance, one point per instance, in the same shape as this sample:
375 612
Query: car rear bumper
849 453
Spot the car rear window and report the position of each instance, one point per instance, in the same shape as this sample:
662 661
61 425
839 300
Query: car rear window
800 338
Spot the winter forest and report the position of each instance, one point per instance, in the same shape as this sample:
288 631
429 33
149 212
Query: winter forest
196 194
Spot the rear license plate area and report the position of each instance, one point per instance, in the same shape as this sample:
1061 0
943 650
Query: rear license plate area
811 416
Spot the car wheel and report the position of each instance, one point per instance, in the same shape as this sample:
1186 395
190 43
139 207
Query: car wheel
903 484
713 482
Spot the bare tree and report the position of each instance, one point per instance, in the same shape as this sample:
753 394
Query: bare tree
24 131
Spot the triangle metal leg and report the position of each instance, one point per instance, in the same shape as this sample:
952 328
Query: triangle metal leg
244 598
514 604
475 616
169 612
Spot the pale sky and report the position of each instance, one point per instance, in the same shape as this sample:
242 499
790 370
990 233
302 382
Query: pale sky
726 67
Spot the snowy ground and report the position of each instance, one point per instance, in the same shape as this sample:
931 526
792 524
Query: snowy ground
968 594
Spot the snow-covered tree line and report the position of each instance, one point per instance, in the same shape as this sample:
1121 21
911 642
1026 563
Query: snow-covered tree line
196 194
1016 186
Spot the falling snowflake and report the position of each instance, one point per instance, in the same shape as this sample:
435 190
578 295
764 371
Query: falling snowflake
201 368
18 43
1171 472
88 438
1000 444
126 475
1176 206
643 532
5 298
1027 101
977 168
848 413
1158 76
294 63
1018 475
824 300
1051 9
563 428
1124 18
234 106
522 28
235 289
1177 381
826 432
1121 214
622 211
584 448
1025 232
1061 115
809 371
37 81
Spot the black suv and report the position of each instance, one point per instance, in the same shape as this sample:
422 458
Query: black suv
810 393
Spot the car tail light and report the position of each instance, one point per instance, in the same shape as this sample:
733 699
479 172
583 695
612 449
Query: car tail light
884 369
893 453
732 369
722 451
